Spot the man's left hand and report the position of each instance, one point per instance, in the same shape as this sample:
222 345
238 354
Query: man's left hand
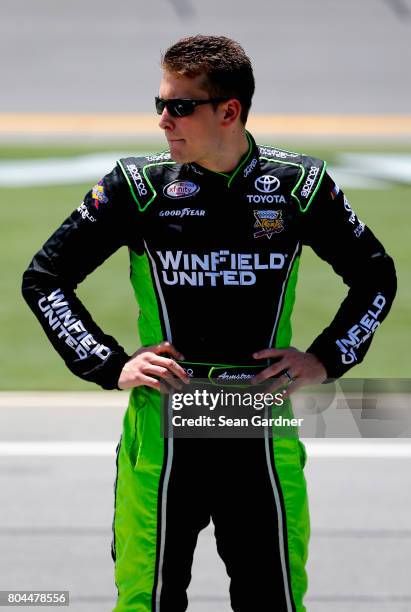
298 369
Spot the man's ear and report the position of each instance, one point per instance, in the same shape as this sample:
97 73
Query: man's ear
232 111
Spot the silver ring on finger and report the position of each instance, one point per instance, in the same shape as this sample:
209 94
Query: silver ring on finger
288 375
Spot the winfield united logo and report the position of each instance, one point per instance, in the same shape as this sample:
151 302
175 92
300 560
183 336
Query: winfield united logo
181 189
267 183
267 223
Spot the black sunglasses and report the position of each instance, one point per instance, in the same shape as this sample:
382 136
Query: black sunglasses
181 107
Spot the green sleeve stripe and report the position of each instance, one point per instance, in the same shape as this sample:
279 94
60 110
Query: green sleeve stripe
284 329
149 323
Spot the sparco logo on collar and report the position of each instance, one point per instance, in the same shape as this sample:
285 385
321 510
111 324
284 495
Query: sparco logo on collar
180 189
308 185
138 181
267 183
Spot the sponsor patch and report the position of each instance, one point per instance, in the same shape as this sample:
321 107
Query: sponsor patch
180 189
335 191
182 212
267 223
98 194
267 183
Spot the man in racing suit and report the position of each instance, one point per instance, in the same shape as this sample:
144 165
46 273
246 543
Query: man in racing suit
215 229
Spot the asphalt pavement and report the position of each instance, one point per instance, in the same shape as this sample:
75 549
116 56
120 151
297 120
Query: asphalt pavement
56 513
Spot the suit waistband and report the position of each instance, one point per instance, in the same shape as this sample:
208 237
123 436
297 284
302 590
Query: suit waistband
221 374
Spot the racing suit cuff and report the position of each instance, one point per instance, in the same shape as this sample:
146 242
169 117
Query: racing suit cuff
107 377
320 349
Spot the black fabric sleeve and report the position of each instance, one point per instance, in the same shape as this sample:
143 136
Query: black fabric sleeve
93 232
336 234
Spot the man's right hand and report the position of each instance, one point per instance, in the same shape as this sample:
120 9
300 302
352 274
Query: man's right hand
148 367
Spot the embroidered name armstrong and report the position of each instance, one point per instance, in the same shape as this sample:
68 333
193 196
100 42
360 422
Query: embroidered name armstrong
216 267
68 328
242 376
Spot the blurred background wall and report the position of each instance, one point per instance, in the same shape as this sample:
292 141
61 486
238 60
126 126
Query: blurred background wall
310 56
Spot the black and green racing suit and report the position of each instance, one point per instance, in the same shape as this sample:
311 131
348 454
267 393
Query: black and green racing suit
214 262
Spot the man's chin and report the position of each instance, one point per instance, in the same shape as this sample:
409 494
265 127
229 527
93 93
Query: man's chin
178 151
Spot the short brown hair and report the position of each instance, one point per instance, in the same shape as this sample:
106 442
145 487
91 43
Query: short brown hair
223 61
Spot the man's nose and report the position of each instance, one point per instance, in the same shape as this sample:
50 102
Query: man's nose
166 120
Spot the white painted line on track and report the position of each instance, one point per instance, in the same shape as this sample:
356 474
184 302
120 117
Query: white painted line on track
60 170
57 449
358 449
63 399
315 449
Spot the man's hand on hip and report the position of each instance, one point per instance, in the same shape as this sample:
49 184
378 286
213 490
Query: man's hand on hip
296 367
149 367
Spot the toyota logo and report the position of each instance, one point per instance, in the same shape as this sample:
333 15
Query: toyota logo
267 183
